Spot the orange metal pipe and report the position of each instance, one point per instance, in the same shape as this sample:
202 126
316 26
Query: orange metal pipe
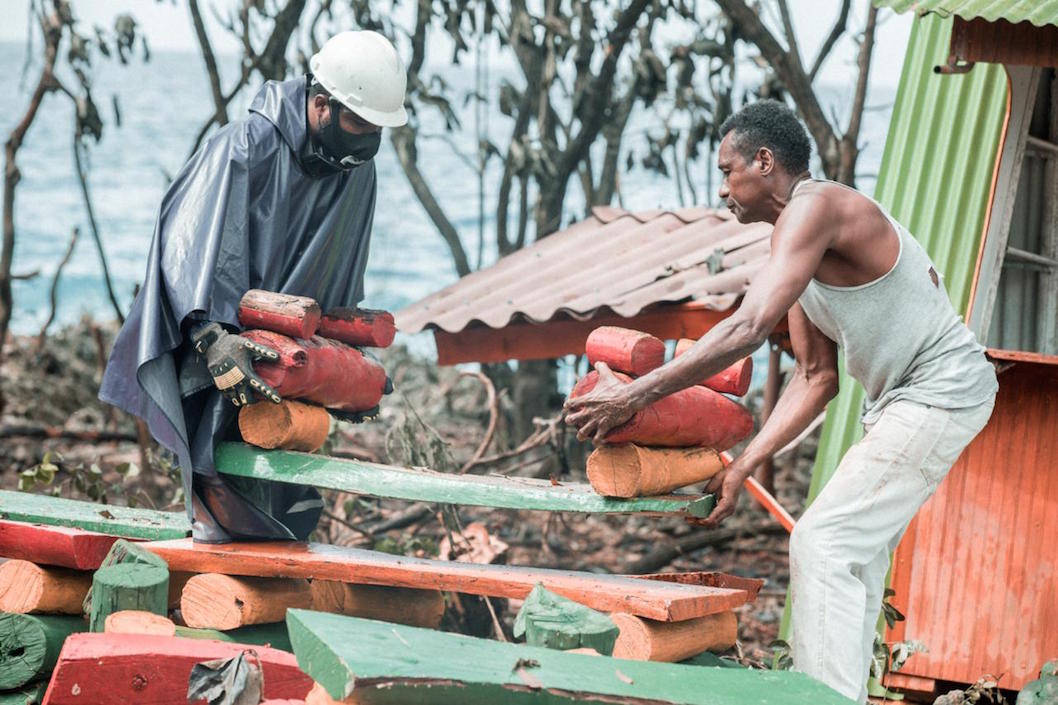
764 498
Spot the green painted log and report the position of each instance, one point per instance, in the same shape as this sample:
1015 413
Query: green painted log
128 586
126 522
125 552
273 635
360 477
556 622
391 664
28 695
30 645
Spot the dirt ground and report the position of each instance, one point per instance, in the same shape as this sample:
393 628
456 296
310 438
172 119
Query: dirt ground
437 418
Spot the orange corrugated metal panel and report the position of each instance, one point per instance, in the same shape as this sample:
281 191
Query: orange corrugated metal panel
614 260
976 573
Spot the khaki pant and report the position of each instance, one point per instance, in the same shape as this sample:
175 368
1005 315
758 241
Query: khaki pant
839 550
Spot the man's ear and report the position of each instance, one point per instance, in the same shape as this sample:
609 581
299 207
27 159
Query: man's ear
766 159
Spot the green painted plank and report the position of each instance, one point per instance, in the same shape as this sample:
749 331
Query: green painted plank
384 663
125 522
419 485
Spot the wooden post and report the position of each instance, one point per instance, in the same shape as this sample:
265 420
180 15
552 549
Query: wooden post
416 608
296 316
772 386
734 379
27 587
647 640
30 644
127 586
359 326
634 471
289 425
216 601
138 622
695 416
625 350
132 553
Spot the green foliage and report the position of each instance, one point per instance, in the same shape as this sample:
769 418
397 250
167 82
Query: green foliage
985 690
781 658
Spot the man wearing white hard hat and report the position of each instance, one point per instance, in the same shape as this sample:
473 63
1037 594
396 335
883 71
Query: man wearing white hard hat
282 200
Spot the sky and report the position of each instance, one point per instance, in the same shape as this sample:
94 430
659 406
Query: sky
167 25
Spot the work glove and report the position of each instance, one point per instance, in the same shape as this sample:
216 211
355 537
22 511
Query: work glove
229 358
354 416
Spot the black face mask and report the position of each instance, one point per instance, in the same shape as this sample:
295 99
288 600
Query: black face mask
337 149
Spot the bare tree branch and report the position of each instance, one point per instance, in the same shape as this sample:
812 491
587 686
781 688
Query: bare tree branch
219 104
831 40
53 295
850 141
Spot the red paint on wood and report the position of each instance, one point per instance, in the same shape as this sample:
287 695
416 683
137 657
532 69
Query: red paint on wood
734 379
695 416
625 350
296 316
359 326
135 669
334 375
54 545
609 593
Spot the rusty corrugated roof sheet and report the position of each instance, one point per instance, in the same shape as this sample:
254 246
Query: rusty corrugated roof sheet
615 260
1038 12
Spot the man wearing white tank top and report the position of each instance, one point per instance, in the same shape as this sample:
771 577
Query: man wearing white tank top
848 276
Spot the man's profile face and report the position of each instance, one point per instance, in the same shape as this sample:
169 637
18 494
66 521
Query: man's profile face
348 121
743 187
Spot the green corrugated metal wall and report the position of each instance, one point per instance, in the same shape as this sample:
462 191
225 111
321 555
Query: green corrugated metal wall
1039 12
935 178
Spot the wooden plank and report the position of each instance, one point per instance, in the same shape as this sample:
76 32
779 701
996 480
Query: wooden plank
123 522
377 662
135 669
54 545
655 599
420 485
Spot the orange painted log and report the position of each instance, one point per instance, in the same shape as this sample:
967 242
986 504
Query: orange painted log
416 608
319 696
634 471
359 326
625 350
735 379
140 669
289 425
296 316
138 622
334 375
215 601
695 416
647 640
29 588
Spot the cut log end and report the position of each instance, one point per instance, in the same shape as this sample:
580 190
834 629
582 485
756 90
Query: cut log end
289 425
648 640
625 350
216 601
296 316
26 587
138 622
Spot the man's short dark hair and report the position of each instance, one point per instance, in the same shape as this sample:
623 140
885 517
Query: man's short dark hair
769 123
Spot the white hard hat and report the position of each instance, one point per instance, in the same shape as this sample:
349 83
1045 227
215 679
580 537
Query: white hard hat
364 73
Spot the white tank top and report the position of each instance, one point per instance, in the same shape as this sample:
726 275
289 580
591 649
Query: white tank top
901 337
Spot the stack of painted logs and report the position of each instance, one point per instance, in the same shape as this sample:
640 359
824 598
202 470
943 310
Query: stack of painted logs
673 443
319 367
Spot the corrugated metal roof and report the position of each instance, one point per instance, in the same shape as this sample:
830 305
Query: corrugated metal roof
613 260
1038 12
935 178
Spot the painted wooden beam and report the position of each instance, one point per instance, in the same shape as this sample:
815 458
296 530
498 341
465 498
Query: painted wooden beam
360 477
54 545
123 522
655 599
378 662
135 669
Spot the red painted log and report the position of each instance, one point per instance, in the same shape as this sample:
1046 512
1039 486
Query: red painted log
138 668
54 545
695 416
625 350
296 316
359 326
733 380
334 375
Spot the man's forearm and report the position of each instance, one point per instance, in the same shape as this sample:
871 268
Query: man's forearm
804 399
726 343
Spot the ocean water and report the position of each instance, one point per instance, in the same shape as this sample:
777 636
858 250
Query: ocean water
163 104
